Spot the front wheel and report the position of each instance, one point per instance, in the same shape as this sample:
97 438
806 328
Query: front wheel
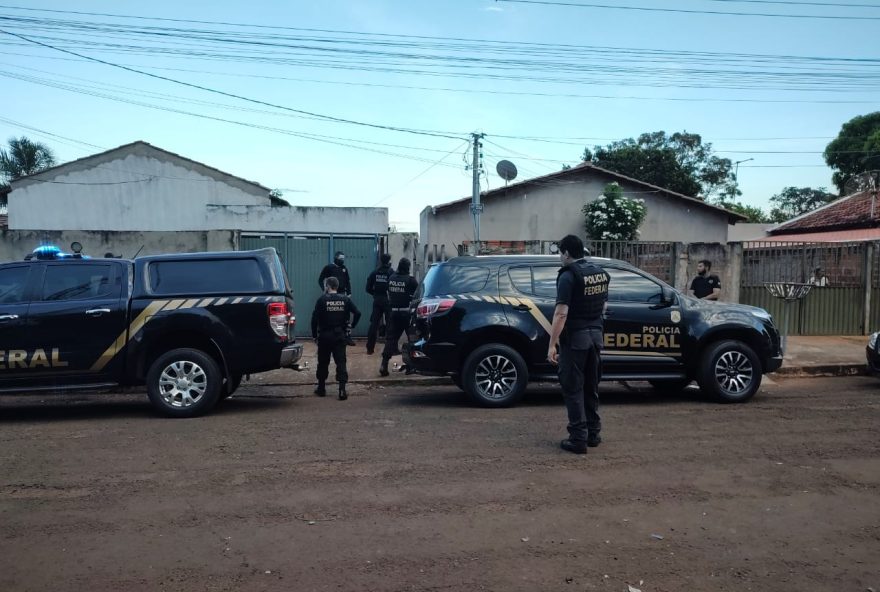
494 375
730 372
184 383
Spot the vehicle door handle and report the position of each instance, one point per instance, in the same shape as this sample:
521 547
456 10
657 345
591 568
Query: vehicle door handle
96 312
9 317
522 307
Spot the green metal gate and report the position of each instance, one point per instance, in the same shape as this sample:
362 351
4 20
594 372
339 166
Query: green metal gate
304 257
834 306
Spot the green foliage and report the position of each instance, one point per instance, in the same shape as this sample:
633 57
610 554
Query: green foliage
855 150
679 162
752 213
794 201
24 157
613 216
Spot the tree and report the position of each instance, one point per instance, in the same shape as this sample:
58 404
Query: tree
752 213
613 216
794 201
679 162
24 157
855 150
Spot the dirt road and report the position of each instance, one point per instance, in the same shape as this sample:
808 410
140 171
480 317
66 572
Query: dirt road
397 489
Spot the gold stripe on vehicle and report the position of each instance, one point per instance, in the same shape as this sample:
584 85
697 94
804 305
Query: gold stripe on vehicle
191 303
173 304
641 354
221 302
206 302
537 314
252 300
123 338
237 300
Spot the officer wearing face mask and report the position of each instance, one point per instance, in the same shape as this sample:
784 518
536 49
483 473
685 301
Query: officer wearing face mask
338 270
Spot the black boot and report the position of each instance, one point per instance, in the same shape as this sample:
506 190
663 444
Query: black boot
320 391
342 394
593 439
383 369
572 446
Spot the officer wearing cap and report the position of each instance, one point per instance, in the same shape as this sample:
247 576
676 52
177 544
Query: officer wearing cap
329 324
581 299
401 288
377 287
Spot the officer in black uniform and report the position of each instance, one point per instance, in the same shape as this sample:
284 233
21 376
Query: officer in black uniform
377 287
329 325
581 297
401 288
706 286
338 270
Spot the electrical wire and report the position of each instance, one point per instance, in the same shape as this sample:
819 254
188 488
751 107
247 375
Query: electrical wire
424 172
692 11
227 94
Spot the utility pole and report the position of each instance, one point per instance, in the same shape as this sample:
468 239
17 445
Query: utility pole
476 169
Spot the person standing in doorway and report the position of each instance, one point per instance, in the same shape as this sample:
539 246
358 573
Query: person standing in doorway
705 286
401 288
576 342
819 279
377 287
330 321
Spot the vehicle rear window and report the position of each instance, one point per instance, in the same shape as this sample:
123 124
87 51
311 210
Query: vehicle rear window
208 276
454 279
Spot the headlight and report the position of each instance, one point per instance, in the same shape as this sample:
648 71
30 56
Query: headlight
872 342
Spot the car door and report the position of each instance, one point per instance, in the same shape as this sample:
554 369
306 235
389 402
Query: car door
77 318
15 340
642 332
529 304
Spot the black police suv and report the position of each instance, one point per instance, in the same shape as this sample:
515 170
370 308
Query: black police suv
485 321
189 326
873 355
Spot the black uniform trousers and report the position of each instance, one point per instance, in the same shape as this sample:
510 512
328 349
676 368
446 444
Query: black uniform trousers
396 326
381 310
332 343
580 368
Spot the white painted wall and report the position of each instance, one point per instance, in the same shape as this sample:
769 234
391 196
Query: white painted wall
550 211
140 192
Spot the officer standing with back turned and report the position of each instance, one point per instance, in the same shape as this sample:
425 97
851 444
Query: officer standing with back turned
329 326
338 270
401 288
581 298
377 287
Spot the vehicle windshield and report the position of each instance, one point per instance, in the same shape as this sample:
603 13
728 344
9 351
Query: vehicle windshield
443 280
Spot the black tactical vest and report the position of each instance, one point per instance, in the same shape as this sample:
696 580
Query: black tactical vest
333 312
401 288
380 283
588 296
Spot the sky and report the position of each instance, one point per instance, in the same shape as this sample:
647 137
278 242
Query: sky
370 102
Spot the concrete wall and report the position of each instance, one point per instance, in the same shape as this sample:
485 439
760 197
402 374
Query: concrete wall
550 211
404 244
745 231
15 244
145 191
726 264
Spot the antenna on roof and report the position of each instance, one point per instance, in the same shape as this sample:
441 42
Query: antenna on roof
506 170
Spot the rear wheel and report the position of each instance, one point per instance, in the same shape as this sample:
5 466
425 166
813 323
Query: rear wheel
730 372
494 375
184 383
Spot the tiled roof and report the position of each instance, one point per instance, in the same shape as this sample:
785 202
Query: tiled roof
859 210
834 236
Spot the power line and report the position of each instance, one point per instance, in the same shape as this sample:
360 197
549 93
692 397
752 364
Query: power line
691 11
50 134
424 172
230 95
793 3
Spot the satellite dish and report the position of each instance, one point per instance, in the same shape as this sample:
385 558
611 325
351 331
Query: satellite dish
506 170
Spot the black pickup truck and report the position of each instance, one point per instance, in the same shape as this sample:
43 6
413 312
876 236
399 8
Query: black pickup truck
189 326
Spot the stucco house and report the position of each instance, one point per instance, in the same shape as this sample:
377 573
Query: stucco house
543 209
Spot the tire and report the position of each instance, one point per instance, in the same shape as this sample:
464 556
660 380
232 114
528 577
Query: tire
494 375
730 372
231 386
201 377
670 386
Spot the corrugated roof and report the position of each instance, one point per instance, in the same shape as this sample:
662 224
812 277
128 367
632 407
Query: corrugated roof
589 167
853 211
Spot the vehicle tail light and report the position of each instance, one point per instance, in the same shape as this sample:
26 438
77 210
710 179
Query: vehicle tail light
280 318
434 306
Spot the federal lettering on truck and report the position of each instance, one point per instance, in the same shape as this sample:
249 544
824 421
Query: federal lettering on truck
12 359
651 337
